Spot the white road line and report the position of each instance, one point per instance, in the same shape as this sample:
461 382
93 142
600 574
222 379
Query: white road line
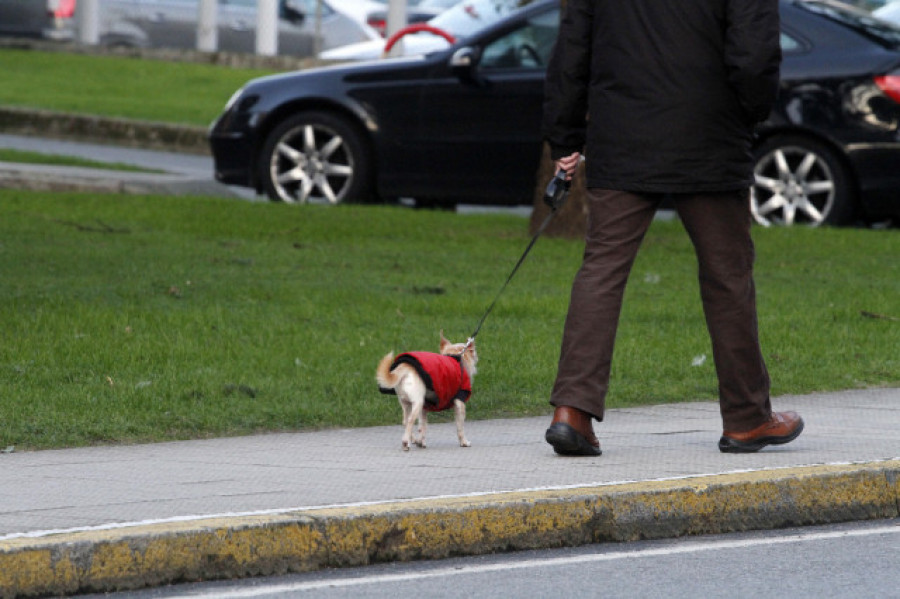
36 534
682 548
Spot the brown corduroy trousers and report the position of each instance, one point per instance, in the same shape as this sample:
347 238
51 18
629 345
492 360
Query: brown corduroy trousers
718 224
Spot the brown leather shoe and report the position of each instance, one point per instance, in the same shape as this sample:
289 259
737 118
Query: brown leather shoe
572 433
782 427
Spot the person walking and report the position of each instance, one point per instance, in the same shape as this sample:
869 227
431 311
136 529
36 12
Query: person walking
662 98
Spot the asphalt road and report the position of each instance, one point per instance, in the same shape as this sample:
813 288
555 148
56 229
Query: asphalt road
190 166
184 164
841 561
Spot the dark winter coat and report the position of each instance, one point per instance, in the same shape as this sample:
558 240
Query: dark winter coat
444 375
673 89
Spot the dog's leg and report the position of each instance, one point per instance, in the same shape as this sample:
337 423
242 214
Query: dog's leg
404 405
407 421
423 425
415 413
459 409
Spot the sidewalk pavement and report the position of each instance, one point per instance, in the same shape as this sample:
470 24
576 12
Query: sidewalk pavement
122 517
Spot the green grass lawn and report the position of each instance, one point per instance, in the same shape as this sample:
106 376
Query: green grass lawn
116 86
132 319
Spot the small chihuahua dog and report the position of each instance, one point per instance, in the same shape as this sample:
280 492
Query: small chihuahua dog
429 382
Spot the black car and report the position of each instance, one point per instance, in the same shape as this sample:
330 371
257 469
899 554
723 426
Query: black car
462 124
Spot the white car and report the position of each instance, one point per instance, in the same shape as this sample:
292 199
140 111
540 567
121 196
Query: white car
889 12
358 9
173 24
459 21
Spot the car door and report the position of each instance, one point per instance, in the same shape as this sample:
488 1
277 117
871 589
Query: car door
237 25
168 23
238 21
122 24
487 127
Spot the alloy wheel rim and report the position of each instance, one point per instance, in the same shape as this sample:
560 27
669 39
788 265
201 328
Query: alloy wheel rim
793 185
311 163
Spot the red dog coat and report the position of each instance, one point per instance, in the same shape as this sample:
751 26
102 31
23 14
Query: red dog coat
443 375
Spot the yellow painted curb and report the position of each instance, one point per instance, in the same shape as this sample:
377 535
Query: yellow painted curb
148 555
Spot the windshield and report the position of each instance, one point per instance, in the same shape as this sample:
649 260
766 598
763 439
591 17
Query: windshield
882 32
470 16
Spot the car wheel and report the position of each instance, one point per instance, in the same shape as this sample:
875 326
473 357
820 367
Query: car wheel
799 181
316 157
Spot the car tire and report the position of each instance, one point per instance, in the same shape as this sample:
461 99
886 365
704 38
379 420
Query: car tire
316 157
800 181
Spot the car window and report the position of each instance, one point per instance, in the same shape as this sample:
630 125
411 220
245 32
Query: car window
436 3
307 7
527 47
790 44
470 16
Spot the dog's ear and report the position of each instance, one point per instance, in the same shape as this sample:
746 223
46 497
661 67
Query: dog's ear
444 342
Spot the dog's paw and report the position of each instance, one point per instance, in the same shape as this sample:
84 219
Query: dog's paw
464 443
404 445
421 443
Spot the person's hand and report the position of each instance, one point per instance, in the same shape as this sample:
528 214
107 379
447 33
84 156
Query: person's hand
569 164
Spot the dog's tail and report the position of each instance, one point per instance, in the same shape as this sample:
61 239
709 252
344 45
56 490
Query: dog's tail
386 379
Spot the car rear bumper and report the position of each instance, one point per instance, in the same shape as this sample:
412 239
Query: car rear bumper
876 167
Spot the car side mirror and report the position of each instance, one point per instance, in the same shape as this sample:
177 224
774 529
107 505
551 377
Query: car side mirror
290 11
464 64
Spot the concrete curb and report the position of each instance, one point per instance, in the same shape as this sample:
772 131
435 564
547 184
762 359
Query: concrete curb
117 559
80 179
93 129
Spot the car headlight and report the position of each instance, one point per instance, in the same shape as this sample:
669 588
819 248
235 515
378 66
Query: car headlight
240 102
234 98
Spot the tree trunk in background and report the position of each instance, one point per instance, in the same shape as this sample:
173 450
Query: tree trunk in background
571 222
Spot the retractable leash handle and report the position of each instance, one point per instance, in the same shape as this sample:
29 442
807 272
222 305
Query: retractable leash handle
554 196
557 190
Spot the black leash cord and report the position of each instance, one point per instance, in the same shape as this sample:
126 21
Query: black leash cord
509 278
555 196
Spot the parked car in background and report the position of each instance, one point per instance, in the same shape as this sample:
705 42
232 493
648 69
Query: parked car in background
48 19
867 5
461 124
173 24
457 22
417 11
458 125
829 151
889 12
358 9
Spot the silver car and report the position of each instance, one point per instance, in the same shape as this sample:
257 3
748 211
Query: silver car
173 24
48 19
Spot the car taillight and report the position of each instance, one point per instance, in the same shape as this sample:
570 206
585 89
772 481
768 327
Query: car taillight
61 9
379 25
890 85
